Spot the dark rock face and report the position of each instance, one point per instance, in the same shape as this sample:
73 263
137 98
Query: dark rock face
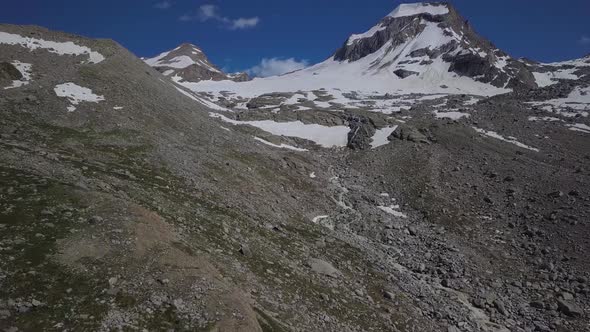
9 72
468 65
402 73
361 131
467 53
191 64
239 77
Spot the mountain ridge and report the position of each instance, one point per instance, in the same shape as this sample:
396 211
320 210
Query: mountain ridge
189 63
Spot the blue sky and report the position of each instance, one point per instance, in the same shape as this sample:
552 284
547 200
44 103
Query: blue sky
239 34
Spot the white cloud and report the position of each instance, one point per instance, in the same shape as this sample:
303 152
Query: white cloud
186 18
276 66
211 12
163 5
584 40
244 23
207 12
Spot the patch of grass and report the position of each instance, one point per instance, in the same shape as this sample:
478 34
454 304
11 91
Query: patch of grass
34 214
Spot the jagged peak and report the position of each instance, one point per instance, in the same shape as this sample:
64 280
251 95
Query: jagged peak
188 46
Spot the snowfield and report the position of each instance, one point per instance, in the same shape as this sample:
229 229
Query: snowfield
371 75
61 48
336 136
566 73
577 103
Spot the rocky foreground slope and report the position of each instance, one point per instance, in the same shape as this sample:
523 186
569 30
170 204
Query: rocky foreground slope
128 202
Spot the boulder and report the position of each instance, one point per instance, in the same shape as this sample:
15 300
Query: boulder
8 72
324 268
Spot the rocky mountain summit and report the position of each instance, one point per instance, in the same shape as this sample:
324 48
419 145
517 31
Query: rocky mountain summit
342 197
417 39
188 63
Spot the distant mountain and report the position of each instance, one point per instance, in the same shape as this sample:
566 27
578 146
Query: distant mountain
426 48
189 63
430 42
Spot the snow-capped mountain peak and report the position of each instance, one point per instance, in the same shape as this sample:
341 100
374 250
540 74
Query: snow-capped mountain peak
188 62
432 41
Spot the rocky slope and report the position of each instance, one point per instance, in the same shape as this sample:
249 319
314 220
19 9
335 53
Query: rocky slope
188 63
302 210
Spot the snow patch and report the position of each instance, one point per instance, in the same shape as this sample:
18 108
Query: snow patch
381 135
370 33
579 127
450 115
281 146
61 48
76 94
511 140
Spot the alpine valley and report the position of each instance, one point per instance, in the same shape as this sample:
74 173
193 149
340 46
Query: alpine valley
418 179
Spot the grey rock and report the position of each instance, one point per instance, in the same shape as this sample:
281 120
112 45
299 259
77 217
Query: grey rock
4 313
361 131
500 306
322 267
541 327
95 220
570 309
8 72
402 73
245 250
388 295
409 133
